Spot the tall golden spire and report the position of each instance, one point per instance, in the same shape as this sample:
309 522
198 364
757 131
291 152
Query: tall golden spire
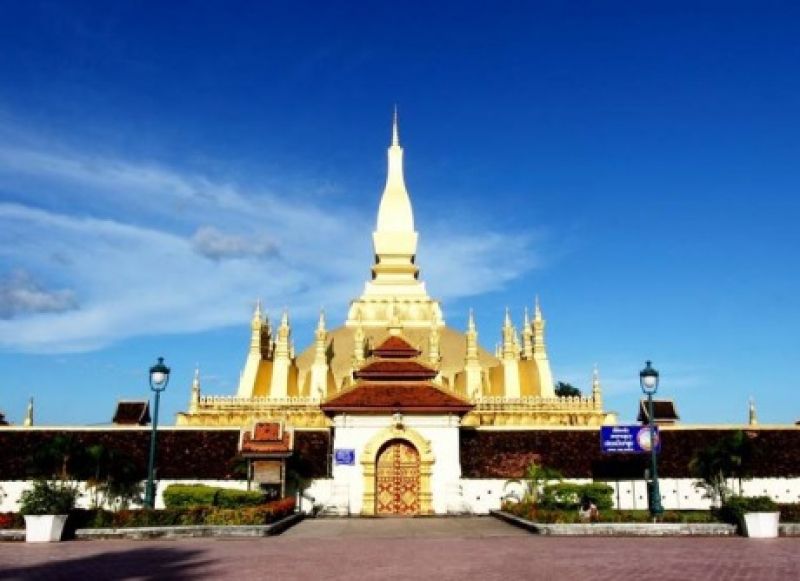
395 213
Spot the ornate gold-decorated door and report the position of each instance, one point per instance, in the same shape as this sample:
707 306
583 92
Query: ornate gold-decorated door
397 480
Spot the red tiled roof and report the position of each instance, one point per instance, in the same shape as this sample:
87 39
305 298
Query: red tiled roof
395 347
400 397
395 369
266 440
132 413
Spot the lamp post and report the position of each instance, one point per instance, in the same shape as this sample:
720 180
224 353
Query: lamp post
648 380
159 377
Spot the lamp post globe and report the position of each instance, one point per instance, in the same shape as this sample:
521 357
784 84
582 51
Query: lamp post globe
159 378
648 380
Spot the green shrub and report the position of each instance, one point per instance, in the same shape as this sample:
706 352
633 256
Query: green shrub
187 495
197 515
11 520
233 498
600 494
568 495
561 495
48 498
735 506
790 512
568 516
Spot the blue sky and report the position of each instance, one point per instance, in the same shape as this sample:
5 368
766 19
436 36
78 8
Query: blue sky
162 165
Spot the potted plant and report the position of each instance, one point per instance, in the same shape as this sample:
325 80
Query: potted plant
46 507
757 515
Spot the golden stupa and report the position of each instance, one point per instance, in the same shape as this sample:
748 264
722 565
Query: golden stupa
513 387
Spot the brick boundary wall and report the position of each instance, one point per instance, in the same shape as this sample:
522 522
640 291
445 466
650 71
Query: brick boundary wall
182 453
577 454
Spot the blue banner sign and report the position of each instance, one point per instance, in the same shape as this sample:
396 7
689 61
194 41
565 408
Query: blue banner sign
628 439
344 456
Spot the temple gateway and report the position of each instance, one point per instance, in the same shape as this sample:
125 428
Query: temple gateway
394 385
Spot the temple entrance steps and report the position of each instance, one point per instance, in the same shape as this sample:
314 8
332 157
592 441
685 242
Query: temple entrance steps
399 527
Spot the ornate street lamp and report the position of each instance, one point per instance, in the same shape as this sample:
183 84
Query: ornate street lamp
159 378
648 380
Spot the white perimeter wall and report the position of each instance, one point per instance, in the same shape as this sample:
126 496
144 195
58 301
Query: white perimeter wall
458 496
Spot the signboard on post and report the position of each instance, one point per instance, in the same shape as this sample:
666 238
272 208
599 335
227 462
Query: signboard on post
628 439
344 456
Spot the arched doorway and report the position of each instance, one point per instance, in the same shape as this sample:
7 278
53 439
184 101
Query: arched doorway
397 479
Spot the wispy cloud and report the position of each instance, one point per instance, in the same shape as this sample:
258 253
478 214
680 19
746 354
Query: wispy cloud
21 295
149 249
217 245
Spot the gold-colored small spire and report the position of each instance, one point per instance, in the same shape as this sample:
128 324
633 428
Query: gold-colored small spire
525 320
537 311
752 417
321 322
597 392
28 421
507 320
471 321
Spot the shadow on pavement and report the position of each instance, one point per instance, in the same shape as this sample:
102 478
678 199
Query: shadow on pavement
141 563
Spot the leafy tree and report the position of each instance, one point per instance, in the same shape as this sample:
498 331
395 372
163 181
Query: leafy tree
537 476
564 389
729 457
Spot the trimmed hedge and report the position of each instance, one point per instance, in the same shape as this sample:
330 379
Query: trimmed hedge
205 515
189 495
233 498
559 516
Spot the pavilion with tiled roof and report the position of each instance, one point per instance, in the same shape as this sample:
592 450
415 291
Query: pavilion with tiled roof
394 381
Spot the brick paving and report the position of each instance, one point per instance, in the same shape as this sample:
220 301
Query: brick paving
388 549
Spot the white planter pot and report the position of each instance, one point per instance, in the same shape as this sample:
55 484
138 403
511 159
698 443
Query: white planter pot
761 525
45 528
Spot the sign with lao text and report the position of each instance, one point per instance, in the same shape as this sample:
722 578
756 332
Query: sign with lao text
344 456
628 439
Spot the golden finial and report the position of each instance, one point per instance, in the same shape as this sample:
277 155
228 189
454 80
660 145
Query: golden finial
752 418
471 321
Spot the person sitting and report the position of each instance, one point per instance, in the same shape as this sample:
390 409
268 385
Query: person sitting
587 512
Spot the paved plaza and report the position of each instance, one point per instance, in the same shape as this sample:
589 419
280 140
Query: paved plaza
423 548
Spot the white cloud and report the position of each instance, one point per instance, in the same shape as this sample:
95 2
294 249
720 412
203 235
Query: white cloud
217 245
21 295
134 244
